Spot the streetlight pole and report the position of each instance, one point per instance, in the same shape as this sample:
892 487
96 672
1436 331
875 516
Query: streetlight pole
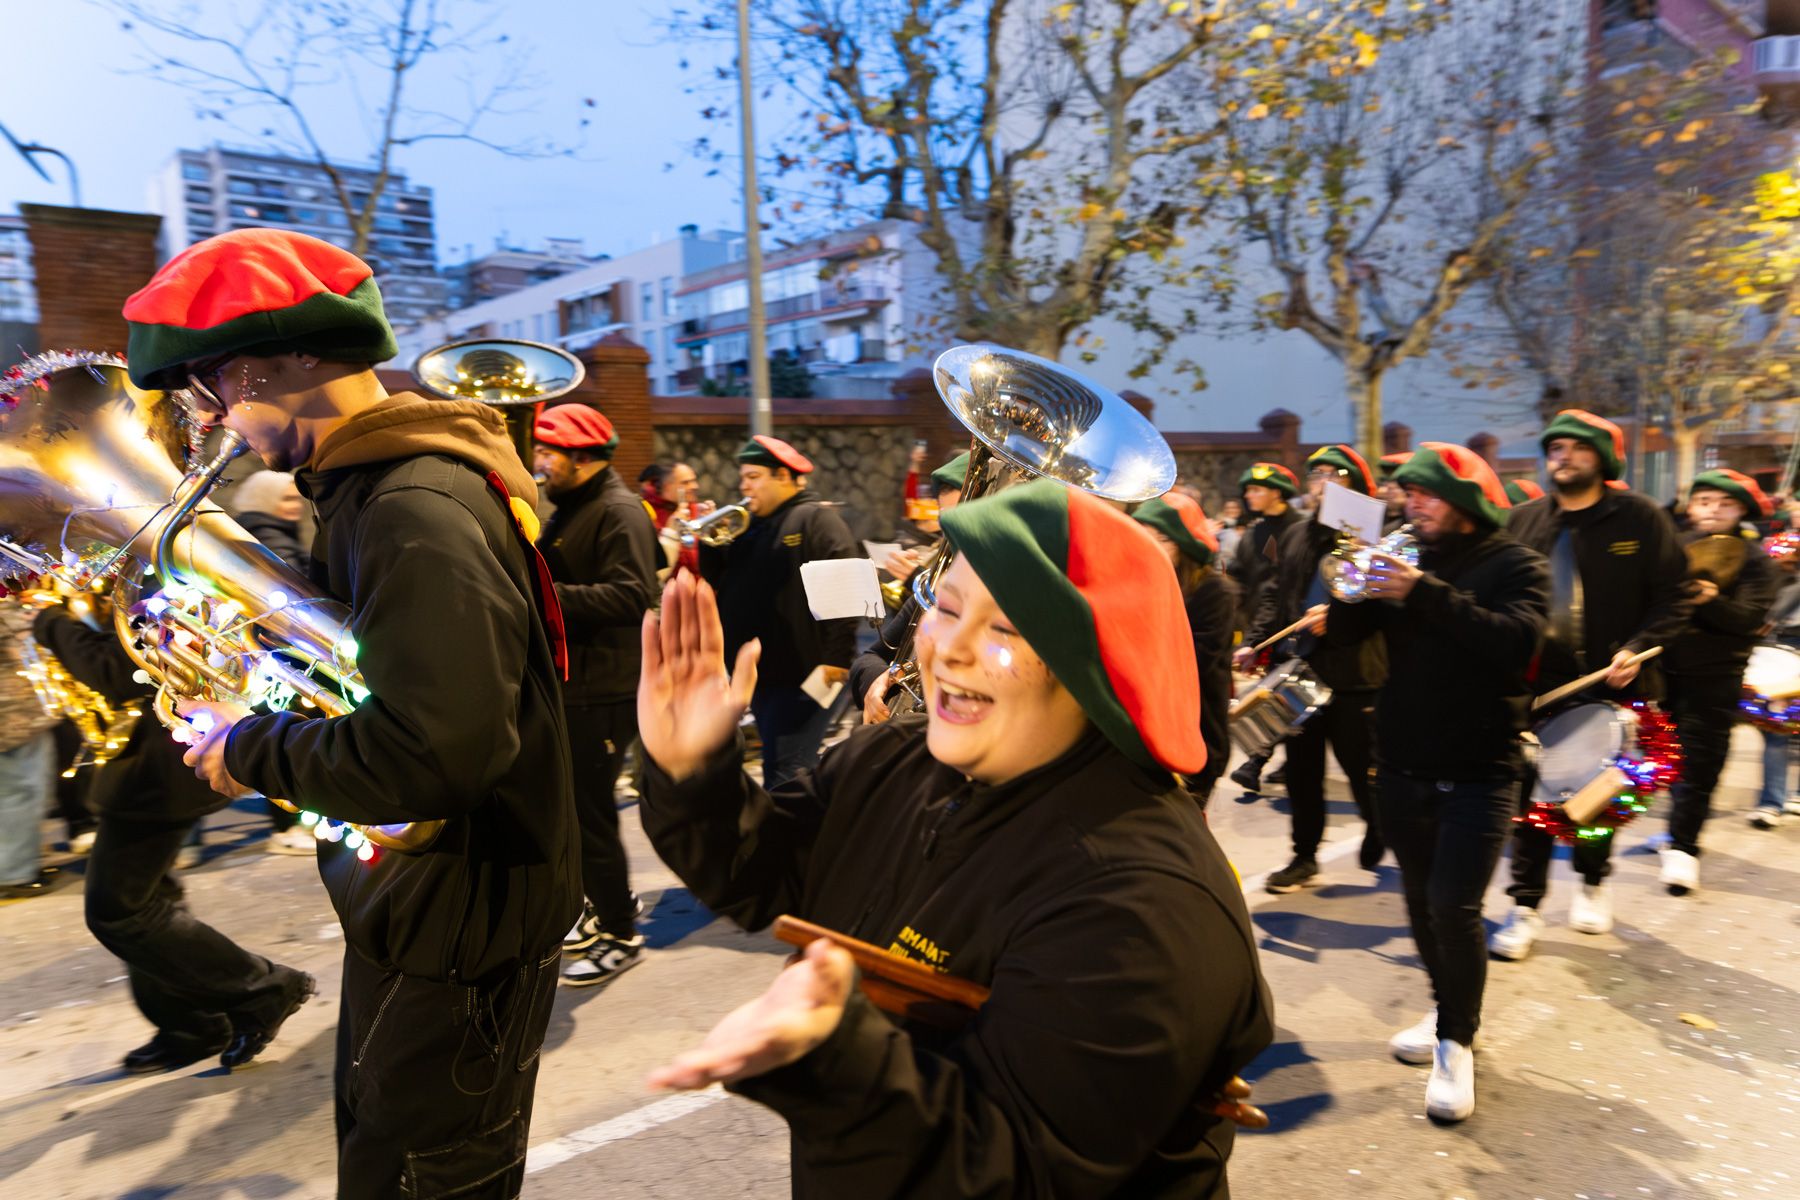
761 411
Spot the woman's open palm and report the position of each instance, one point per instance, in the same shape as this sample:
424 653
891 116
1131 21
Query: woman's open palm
688 708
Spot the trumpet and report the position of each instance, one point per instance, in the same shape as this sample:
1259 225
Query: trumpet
720 527
1345 571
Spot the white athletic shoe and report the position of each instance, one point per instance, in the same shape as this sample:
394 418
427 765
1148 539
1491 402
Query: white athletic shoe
1592 909
1792 807
1766 818
1680 872
295 839
1450 1096
1512 941
1415 1043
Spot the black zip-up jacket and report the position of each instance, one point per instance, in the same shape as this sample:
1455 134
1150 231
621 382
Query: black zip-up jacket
1253 564
602 552
463 721
1633 580
1459 648
146 780
761 596
281 538
1087 894
1346 665
1721 633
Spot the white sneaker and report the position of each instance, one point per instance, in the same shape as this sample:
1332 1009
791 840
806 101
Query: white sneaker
295 839
1766 818
1792 807
1512 941
83 842
1450 1096
1680 872
584 933
1592 910
1415 1043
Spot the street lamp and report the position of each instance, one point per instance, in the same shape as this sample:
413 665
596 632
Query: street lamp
761 411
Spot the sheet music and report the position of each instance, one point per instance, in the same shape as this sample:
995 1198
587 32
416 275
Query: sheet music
880 552
1352 512
841 587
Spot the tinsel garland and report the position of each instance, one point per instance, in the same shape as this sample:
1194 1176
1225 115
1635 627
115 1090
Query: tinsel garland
1654 765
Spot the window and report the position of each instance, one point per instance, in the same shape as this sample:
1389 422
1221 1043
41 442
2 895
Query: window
193 170
649 301
537 327
668 295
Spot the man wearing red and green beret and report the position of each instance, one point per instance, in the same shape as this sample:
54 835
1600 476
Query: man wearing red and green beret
1461 628
1352 669
1618 587
1267 487
1704 664
422 510
762 599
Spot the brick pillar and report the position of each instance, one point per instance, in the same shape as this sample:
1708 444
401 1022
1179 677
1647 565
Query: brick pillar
1283 429
1396 438
930 419
618 384
1144 404
87 261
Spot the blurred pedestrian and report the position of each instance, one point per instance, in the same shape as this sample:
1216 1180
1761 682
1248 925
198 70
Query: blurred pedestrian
26 763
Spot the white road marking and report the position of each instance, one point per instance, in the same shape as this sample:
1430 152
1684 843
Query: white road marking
670 1108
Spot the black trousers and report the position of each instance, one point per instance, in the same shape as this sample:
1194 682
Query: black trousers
191 981
599 735
1347 722
1447 837
435 1081
1532 850
1704 708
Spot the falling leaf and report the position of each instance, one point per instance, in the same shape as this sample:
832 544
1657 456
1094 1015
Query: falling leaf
1262 33
1698 1021
1656 135
1257 112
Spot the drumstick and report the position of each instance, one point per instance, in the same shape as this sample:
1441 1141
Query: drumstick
1312 612
906 989
1587 681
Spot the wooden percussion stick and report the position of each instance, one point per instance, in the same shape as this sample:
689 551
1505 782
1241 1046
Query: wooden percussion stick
1294 628
1589 680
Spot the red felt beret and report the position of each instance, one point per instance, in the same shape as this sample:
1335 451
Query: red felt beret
575 427
771 452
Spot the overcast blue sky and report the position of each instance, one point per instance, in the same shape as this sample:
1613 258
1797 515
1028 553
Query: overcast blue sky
63 86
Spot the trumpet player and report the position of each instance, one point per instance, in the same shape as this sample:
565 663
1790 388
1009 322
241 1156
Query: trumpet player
600 546
1463 624
761 599
1352 667
425 529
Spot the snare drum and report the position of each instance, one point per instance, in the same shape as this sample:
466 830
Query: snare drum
1276 706
1771 692
1578 753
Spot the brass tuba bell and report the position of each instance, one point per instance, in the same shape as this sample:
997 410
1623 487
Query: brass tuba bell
514 376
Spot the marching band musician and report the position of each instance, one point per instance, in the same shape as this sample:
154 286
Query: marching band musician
1267 488
205 994
1464 623
601 548
1028 822
1617 587
450 957
1180 527
1392 494
1522 491
762 599
1704 664
1352 668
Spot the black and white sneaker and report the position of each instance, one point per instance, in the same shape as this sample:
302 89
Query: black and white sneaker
584 933
608 958
1302 872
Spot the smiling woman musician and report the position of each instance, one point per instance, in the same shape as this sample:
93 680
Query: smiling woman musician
1026 834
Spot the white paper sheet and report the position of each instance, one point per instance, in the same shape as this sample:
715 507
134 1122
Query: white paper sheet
841 587
822 691
880 552
1352 512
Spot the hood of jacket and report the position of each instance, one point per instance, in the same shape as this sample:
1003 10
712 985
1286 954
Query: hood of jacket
406 426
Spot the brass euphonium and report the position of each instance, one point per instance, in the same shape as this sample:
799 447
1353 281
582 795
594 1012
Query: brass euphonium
104 727
91 491
1033 419
513 376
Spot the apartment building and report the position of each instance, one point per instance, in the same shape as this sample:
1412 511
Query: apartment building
200 193
507 269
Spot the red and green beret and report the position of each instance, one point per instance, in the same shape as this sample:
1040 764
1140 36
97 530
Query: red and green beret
1607 439
575 426
1520 490
1095 596
951 475
1460 477
1738 486
255 291
1182 521
1270 475
1346 459
1391 463
771 452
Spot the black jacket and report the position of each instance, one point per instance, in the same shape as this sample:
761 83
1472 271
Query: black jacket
1088 895
1459 649
147 779
761 596
1633 579
463 721
602 551
281 537
1253 564
1344 664
1211 614
874 662
1721 633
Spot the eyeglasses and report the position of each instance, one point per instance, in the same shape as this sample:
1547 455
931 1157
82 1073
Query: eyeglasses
203 379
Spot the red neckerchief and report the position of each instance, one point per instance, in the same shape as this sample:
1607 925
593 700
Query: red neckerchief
542 584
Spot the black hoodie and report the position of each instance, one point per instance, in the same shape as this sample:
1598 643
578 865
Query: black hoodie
463 722
1087 894
602 552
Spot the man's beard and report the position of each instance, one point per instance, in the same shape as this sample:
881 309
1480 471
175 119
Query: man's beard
1582 481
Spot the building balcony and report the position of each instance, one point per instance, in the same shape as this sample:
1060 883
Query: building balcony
1776 61
826 303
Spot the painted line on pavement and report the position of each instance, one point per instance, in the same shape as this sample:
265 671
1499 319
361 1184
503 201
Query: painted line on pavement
1253 884
560 1150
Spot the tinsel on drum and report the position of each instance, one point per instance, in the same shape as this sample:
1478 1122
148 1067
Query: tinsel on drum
1651 765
